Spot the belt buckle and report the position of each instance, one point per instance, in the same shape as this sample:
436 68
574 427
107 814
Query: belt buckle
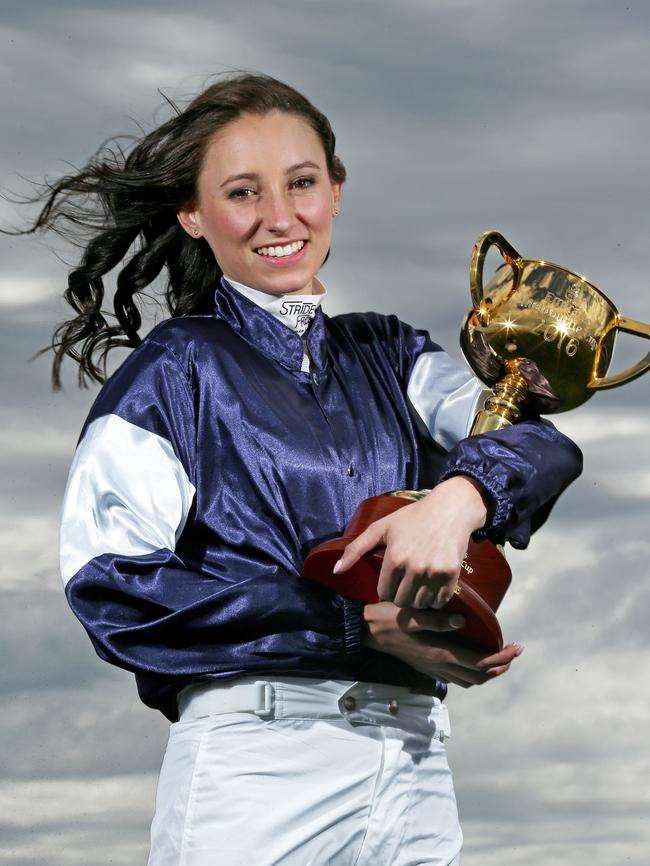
265 699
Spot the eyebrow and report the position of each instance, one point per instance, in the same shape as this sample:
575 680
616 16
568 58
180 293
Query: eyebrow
249 175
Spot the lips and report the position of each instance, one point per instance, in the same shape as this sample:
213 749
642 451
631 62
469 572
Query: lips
283 255
280 251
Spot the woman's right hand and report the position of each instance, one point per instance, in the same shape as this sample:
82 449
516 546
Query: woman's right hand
417 637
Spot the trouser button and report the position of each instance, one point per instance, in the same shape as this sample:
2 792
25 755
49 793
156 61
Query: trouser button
393 707
349 702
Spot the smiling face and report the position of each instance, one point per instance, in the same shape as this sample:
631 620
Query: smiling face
265 202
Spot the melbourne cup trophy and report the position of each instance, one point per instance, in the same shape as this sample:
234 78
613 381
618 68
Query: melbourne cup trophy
542 337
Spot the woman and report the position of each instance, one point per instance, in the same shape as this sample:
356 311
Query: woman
308 729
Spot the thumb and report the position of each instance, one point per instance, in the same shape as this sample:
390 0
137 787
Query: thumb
370 538
415 619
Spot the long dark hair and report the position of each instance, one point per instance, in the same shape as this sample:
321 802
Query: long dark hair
121 209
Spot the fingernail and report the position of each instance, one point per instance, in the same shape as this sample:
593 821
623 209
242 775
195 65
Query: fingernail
337 567
441 600
519 649
456 620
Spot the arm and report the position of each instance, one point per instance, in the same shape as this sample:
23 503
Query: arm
417 638
130 500
505 482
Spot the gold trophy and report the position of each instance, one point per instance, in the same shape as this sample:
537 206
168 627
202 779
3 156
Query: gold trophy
542 333
537 333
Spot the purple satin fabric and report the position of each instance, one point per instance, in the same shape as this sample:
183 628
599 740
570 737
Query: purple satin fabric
280 459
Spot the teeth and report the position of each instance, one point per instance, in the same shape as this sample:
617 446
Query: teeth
279 252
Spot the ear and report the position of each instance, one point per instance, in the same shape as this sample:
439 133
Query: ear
189 219
337 192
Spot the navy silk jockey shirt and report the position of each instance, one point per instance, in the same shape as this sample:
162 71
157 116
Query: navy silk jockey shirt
210 465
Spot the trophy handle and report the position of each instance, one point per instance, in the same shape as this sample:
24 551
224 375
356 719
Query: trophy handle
630 326
481 247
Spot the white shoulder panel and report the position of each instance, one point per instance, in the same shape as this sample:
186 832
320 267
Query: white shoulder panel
127 494
446 395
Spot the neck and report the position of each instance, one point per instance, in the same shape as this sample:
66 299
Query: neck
317 288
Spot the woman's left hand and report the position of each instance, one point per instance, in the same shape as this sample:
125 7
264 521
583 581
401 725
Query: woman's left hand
425 542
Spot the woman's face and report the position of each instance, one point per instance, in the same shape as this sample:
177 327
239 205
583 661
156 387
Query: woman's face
265 202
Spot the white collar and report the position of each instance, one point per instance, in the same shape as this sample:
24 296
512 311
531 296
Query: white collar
294 311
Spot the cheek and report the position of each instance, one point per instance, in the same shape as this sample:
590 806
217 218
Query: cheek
231 226
225 232
318 212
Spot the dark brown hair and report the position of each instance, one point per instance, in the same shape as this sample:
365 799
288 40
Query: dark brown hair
121 209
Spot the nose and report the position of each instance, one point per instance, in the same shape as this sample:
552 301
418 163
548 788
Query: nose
277 211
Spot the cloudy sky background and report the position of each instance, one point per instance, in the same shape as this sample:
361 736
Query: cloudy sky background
452 116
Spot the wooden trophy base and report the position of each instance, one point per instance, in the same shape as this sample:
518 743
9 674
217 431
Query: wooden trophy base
484 580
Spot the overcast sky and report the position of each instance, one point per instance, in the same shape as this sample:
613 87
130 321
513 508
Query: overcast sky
452 117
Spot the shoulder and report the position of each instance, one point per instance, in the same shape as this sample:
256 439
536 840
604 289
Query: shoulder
158 372
402 342
364 323
170 348
182 336
369 327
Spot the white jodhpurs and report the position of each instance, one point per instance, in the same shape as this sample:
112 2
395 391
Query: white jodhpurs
305 772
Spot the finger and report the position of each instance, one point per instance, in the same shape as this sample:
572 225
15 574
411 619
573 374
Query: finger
450 650
413 620
470 675
445 591
369 538
423 597
496 672
390 578
466 657
504 656
451 674
413 581
478 678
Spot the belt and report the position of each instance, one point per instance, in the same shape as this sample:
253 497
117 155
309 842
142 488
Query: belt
302 698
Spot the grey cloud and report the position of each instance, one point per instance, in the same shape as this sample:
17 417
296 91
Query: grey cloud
452 118
598 604
92 729
53 646
79 821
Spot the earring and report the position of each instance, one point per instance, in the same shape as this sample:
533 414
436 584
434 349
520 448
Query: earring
196 233
335 212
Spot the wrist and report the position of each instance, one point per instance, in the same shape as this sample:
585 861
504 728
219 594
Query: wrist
369 625
468 498
481 500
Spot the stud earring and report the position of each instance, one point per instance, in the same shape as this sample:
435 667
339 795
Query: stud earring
196 233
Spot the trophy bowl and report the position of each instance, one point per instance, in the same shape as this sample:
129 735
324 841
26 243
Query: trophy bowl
549 323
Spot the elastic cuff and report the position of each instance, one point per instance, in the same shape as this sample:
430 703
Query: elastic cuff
499 515
353 623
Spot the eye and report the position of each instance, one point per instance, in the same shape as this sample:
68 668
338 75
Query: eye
241 192
303 182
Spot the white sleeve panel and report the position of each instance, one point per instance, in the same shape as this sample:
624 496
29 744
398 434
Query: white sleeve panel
446 395
127 494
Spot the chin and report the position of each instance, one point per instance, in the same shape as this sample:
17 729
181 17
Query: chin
281 284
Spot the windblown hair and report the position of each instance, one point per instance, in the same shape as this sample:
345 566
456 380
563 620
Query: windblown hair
121 210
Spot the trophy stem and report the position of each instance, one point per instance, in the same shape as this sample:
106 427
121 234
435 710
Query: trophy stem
503 408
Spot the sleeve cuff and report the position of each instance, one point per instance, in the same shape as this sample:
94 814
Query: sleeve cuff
353 625
500 509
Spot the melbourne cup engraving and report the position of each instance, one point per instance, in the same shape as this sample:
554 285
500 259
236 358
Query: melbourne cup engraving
540 333
543 338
